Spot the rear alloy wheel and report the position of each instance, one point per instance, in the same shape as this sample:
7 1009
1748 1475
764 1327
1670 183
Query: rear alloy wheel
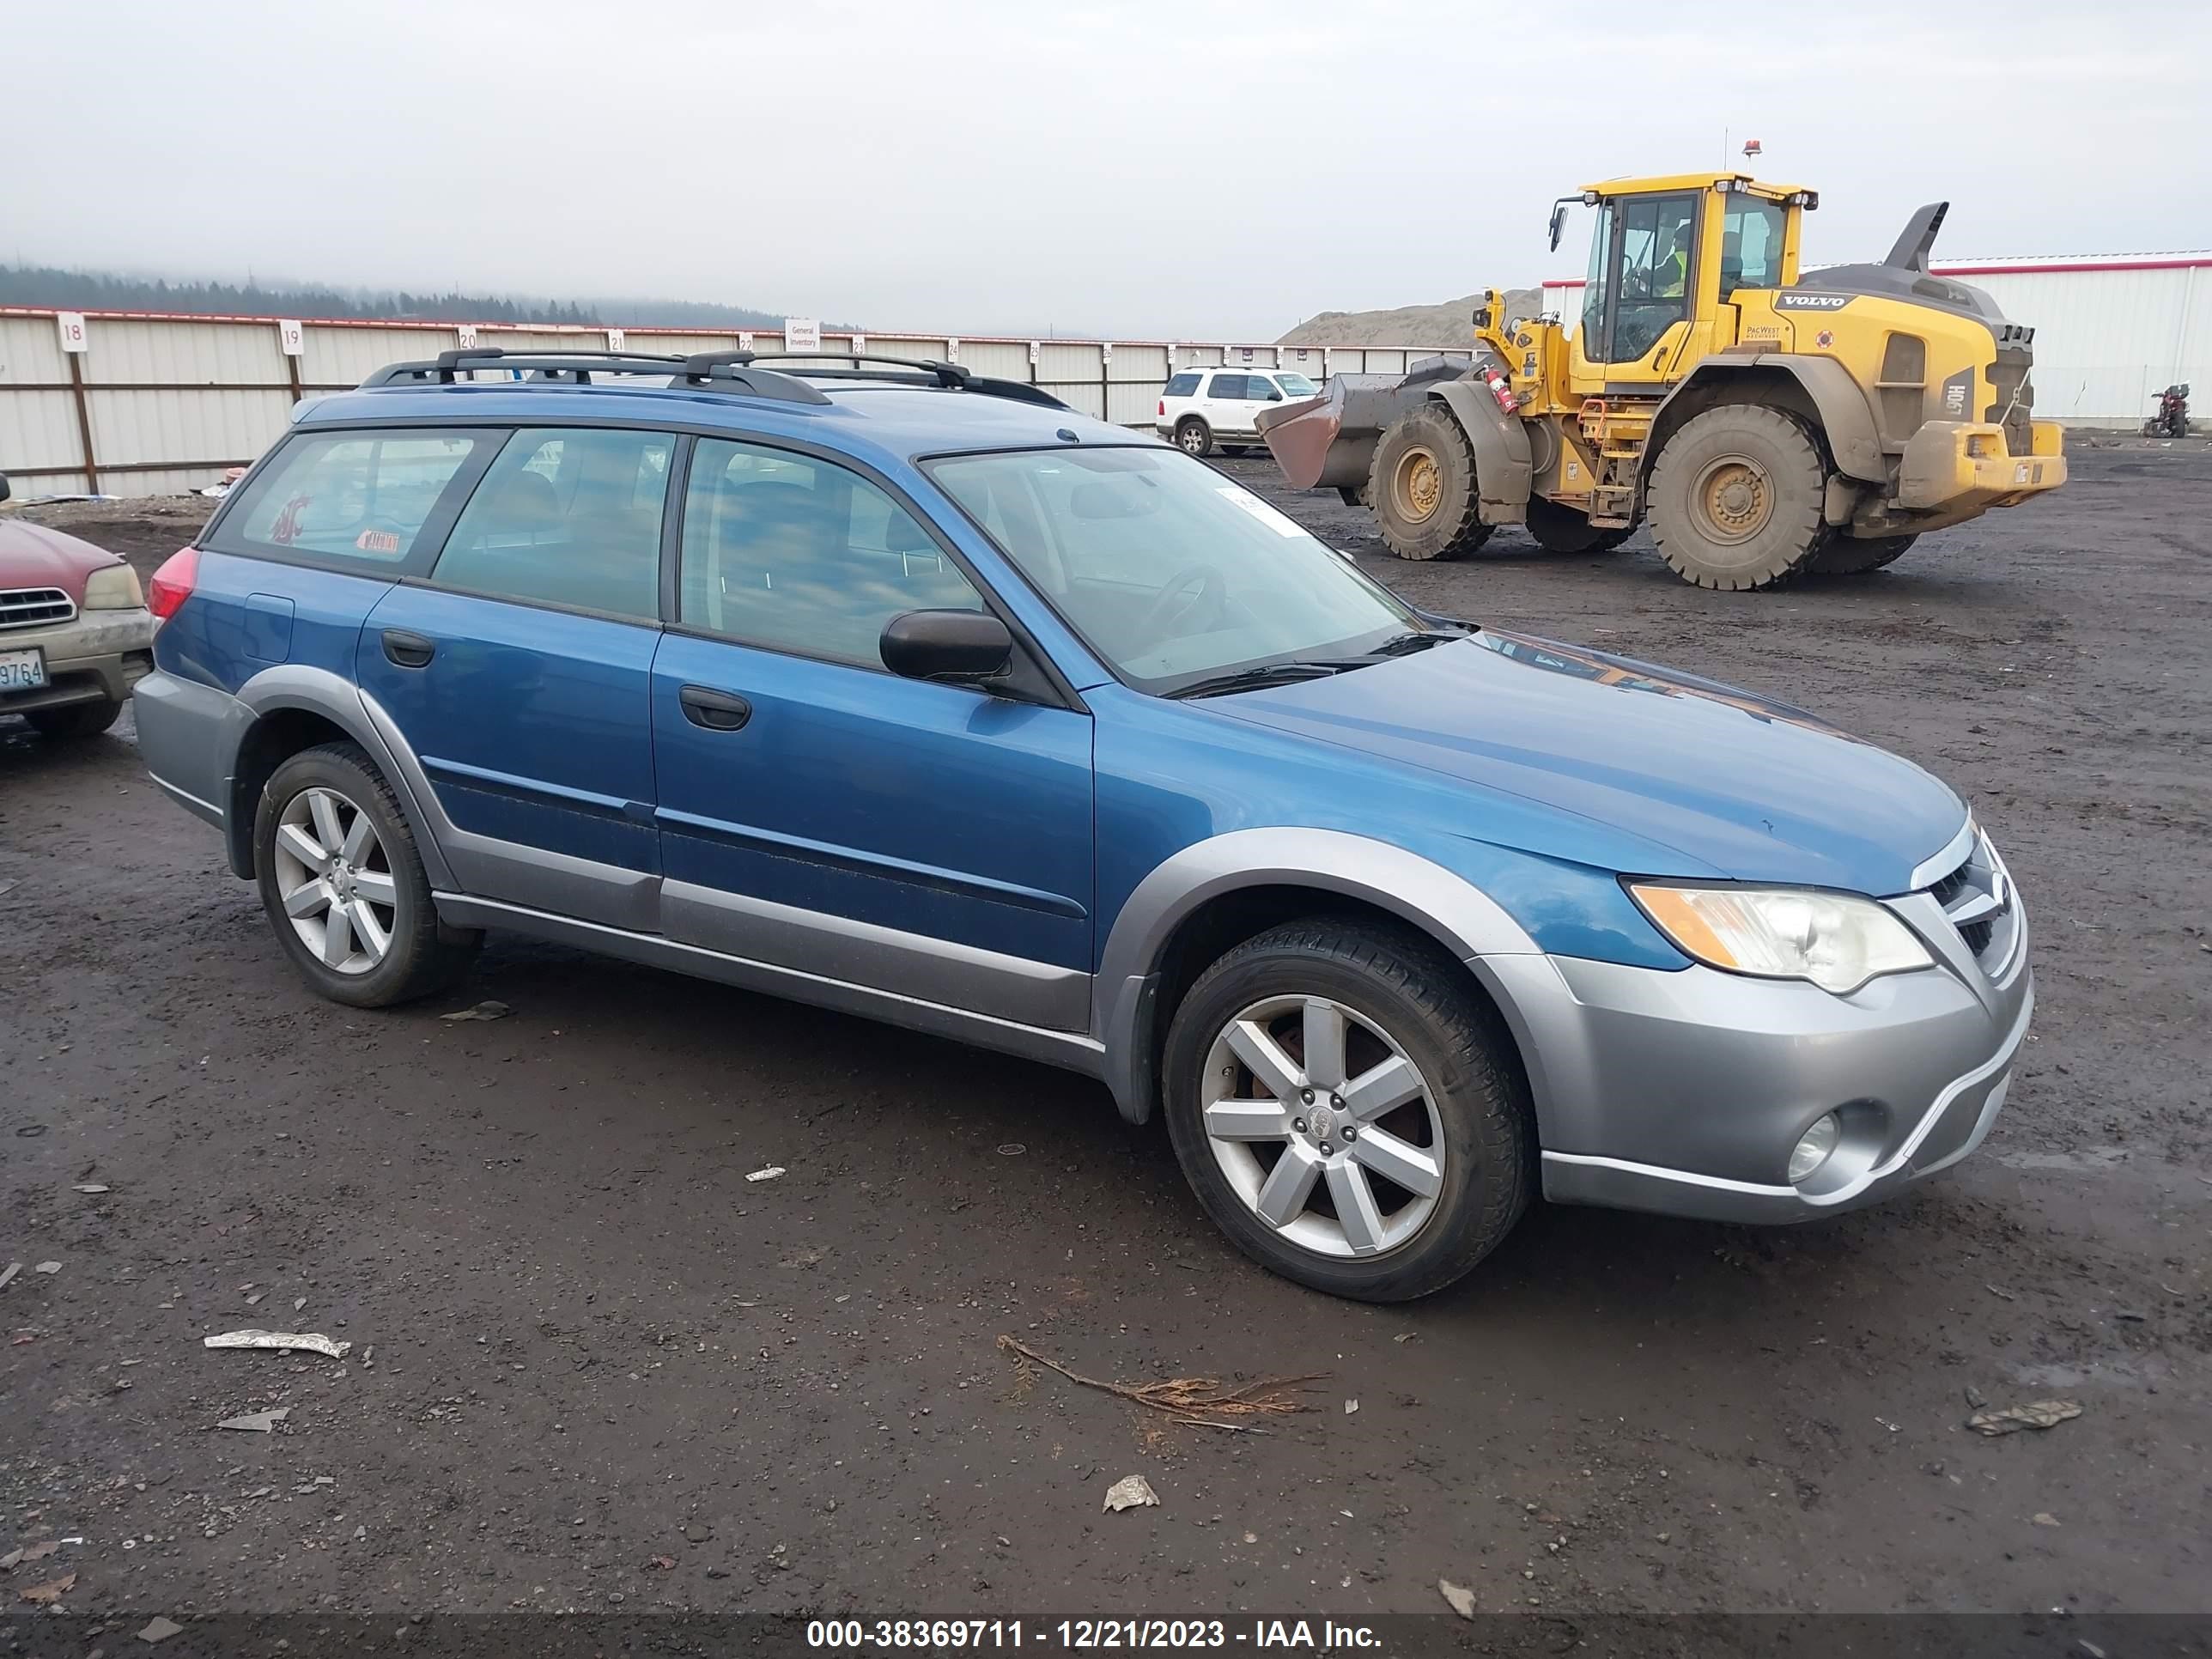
1854 556
75 721
1193 436
1344 1107
1560 529
343 886
1422 488
1737 497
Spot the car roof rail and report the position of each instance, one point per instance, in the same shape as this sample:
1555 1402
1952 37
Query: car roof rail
926 371
577 368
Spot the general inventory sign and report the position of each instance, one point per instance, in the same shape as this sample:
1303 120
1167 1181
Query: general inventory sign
802 334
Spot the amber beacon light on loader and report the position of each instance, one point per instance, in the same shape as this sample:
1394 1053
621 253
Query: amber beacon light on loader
1765 423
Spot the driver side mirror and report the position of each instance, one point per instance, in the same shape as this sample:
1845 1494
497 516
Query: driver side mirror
3 487
1558 224
960 646
1273 396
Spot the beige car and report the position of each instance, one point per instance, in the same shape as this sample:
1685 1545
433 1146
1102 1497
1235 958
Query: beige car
75 632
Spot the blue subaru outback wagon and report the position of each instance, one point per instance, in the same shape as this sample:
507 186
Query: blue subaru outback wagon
915 694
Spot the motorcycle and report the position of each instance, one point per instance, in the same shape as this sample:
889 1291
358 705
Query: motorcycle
2171 420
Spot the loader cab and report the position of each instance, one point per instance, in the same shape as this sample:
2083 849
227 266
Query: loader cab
1665 255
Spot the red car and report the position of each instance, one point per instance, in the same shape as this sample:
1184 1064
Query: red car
75 632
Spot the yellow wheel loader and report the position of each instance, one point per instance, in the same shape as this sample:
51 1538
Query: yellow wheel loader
1764 424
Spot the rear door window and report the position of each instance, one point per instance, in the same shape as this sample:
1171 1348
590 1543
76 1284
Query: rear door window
1230 388
568 517
380 499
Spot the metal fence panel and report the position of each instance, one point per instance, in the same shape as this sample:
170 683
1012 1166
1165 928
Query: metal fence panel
133 428
38 430
31 351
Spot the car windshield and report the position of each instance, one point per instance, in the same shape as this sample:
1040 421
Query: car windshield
1295 386
1173 574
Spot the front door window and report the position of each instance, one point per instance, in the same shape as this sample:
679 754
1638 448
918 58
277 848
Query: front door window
1653 258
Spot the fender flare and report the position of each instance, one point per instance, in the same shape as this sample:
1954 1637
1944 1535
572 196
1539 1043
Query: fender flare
319 691
1502 469
1846 417
1447 907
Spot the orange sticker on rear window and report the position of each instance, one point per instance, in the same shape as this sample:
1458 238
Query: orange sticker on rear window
376 541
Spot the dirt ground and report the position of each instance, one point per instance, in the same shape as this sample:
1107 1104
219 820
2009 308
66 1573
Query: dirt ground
594 1367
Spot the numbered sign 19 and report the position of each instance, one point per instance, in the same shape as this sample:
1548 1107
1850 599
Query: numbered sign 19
71 324
291 338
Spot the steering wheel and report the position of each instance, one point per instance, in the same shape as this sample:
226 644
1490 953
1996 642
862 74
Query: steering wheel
1188 588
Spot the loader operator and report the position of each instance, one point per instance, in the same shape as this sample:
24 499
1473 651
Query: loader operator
1670 276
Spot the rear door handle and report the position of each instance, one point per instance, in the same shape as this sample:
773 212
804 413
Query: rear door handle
718 711
406 650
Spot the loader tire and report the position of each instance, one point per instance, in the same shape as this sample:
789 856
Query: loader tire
1735 498
1854 556
1562 530
1421 487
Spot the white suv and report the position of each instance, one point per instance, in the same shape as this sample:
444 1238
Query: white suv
1202 407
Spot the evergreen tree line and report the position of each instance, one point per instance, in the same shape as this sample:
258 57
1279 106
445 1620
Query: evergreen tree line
93 290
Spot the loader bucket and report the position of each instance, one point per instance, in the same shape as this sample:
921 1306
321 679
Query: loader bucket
1327 442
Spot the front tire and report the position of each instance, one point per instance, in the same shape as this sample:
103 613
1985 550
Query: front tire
1737 497
1349 1110
73 722
1854 556
344 886
1421 487
1193 436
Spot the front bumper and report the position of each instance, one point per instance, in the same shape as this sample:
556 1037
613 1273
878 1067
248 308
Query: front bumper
1683 1092
97 657
1955 469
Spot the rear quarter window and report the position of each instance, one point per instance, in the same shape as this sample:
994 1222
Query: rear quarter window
1182 385
373 499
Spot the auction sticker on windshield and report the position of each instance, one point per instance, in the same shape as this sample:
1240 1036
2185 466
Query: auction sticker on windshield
1277 520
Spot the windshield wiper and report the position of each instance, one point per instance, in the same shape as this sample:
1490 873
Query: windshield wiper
1404 645
1251 679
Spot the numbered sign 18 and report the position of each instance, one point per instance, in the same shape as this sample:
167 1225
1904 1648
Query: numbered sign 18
71 324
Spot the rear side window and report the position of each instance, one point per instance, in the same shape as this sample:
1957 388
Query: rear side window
1231 387
1182 385
354 497
568 517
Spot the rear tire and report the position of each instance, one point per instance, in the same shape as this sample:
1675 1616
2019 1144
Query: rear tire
370 886
1193 436
1445 1107
1855 555
1560 529
1421 487
1737 497
74 721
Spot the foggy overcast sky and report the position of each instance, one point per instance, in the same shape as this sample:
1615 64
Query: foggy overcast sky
1147 170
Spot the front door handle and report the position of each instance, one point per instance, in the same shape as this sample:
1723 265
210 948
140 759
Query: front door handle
718 711
405 650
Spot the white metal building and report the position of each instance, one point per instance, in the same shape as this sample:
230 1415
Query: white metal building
2112 332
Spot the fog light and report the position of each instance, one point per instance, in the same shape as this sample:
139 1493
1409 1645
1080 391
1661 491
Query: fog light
1811 1152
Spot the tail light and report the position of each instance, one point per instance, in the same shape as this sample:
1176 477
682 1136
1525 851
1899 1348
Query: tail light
1162 408
172 583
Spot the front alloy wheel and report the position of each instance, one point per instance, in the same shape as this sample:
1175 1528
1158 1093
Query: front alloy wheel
1323 1126
1349 1108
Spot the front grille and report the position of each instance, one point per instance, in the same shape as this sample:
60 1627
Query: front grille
1977 899
35 607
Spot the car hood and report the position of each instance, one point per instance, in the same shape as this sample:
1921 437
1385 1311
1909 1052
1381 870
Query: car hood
1736 785
31 556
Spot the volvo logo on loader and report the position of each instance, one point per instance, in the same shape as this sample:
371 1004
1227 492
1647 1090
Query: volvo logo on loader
1811 302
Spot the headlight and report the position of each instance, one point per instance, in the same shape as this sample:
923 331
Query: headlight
115 588
1836 941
